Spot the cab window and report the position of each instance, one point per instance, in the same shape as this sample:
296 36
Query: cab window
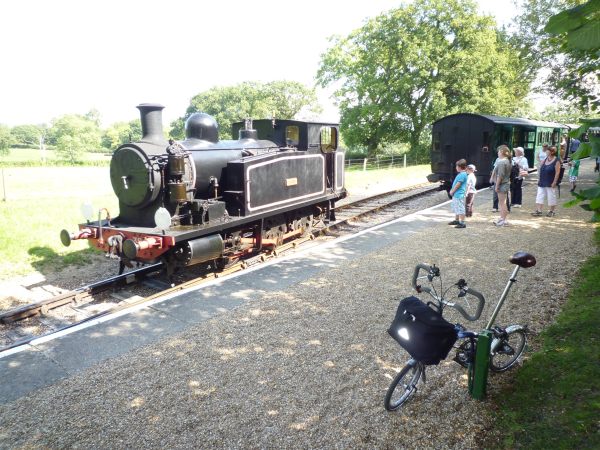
292 136
328 139
437 137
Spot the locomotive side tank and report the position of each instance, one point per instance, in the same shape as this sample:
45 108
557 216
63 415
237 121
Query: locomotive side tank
202 199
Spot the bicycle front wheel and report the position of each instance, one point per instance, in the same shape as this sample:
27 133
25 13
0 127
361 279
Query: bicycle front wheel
508 351
404 385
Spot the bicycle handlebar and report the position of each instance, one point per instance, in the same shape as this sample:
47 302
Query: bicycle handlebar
433 271
418 268
480 305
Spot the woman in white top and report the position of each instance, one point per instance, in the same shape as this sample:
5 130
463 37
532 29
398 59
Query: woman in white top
471 191
517 185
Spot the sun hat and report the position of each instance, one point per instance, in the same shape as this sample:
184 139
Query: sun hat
472 167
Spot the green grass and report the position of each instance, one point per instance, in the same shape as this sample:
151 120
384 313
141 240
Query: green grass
411 175
554 402
39 203
34 157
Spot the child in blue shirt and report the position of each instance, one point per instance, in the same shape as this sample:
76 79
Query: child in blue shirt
458 193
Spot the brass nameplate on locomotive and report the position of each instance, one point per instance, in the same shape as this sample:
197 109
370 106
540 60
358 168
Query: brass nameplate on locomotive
291 181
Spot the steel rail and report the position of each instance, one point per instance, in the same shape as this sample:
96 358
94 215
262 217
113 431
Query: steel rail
43 306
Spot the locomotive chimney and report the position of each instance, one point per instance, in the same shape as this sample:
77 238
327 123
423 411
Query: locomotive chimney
151 118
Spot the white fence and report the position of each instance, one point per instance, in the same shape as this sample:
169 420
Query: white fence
378 163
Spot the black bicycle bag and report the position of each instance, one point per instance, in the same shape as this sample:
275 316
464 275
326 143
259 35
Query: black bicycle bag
422 332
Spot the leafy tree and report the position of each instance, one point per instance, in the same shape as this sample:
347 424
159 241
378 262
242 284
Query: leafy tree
27 135
568 67
6 140
94 116
407 67
578 30
121 133
562 112
229 104
74 135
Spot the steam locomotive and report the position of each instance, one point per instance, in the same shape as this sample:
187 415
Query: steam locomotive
202 200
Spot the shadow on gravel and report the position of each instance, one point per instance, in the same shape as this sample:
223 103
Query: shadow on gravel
46 260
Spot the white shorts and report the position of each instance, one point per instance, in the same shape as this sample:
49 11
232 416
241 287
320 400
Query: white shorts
543 192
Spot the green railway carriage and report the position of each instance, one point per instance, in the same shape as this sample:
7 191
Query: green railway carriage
476 137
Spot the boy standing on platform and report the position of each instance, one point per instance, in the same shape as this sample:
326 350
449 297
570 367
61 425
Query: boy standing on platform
471 191
458 193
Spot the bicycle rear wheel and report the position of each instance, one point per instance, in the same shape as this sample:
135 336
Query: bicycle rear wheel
509 351
404 385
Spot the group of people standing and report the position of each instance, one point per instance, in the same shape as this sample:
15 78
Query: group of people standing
507 177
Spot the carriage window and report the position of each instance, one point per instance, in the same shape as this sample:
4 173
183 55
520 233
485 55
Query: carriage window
486 139
292 136
540 137
437 137
328 139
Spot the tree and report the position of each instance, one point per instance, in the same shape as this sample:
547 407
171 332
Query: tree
578 30
561 112
568 67
412 65
229 104
120 133
74 135
6 140
27 135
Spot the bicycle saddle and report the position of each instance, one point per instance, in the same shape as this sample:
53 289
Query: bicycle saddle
523 259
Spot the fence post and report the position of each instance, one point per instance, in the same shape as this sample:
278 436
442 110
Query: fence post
405 160
3 187
364 164
392 166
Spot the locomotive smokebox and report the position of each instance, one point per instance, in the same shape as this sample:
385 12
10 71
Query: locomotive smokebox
151 119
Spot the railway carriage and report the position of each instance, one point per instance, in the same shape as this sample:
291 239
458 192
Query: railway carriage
476 137
203 200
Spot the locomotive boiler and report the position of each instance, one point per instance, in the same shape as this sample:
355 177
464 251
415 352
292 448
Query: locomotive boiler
204 200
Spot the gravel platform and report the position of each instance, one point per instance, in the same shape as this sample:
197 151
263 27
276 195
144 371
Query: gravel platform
308 366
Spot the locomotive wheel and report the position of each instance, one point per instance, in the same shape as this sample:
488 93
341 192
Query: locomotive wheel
276 233
304 224
225 262
275 229
307 223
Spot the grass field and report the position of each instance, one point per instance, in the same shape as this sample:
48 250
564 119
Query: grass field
554 401
41 201
385 179
34 156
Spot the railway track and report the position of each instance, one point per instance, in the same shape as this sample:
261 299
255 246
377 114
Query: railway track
83 304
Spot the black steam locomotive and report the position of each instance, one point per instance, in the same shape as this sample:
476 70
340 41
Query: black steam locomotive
202 200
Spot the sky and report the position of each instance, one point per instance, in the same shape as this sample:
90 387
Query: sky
70 56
